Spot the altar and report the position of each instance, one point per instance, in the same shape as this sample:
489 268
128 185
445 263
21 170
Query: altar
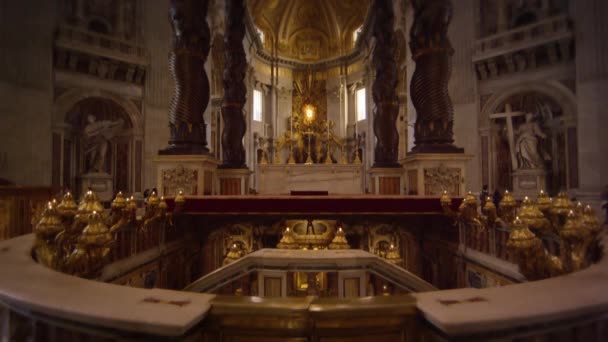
333 178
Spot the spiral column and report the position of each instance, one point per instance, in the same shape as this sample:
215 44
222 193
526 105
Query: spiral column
235 91
432 52
384 89
190 48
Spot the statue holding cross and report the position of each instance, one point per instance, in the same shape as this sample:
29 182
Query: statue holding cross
526 154
524 141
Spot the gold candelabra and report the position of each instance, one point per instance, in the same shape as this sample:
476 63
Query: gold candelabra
574 226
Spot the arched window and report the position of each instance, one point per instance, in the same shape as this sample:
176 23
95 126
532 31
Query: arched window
357 33
360 105
260 34
257 105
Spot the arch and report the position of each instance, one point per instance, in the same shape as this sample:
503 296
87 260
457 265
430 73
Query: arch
559 175
99 25
64 103
525 17
559 93
308 30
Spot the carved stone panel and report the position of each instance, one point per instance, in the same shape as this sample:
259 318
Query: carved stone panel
441 178
180 178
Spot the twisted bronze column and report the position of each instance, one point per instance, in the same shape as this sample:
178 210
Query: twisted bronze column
190 49
384 89
432 52
235 91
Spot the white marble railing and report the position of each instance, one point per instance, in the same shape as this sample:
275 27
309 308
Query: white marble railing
33 287
570 307
540 307
551 29
326 260
75 38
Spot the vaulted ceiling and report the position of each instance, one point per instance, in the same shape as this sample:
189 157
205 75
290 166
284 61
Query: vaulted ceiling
309 30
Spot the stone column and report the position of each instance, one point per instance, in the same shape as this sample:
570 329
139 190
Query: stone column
274 103
591 93
190 49
119 27
432 52
79 13
503 20
343 103
384 89
235 91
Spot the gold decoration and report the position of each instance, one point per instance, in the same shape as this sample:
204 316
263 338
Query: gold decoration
78 239
277 157
234 254
343 159
357 160
339 241
120 202
532 216
291 160
67 206
576 227
308 234
287 241
543 202
90 203
507 207
180 199
46 231
264 160
393 255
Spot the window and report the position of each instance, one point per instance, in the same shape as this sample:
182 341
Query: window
257 105
360 106
357 33
261 34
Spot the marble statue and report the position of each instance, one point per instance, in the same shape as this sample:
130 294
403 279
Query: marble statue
98 135
526 145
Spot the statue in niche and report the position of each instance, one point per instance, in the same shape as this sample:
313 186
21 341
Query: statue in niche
529 155
98 135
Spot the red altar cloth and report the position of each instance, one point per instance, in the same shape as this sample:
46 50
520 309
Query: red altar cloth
257 204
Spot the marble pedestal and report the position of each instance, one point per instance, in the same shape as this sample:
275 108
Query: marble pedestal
195 175
386 181
333 178
100 183
528 182
233 181
429 174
